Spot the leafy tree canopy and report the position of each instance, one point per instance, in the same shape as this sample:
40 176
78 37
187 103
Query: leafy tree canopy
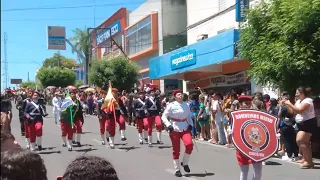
78 83
56 77
281 39
64 62
122 73
30 84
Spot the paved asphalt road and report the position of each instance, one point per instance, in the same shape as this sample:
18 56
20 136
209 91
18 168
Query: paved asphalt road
136 162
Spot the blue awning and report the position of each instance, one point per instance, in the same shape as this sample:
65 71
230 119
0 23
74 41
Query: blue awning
200 57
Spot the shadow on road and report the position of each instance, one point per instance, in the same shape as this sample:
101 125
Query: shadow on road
273 163
120 144
85 150
128 148
49 152
49 148
86 145
164 147
199 174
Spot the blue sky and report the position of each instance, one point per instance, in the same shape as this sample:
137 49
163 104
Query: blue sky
26 29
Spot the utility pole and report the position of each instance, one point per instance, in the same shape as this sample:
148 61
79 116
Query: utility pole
5 62
59 58
94 15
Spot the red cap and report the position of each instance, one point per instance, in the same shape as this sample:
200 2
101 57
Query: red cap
73 91
103 92
245 98
114 90
176 92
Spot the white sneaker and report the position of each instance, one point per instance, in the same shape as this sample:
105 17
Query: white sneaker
263 163
210 140
285 157
201 139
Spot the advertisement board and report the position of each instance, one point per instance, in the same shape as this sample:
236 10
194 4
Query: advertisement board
56 38
241 9
183 59
239 78
16 81
108 32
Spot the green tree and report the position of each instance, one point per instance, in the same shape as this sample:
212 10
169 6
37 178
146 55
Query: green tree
56 77
281 39
122 72
64 62
78 83
30 84
81 40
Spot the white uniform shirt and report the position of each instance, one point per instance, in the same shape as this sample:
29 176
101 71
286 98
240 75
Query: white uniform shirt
179 111
56 102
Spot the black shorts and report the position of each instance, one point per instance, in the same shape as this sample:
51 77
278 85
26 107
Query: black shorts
309 126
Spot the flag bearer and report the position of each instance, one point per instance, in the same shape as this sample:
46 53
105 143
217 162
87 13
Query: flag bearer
119 115
78 117
177 118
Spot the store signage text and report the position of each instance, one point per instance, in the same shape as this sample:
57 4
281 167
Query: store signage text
183 59
241 9
229 80
220 81
105 34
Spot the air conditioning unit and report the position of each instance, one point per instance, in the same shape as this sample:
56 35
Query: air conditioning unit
202 37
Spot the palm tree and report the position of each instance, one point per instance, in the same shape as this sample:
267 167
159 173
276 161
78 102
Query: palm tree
81 44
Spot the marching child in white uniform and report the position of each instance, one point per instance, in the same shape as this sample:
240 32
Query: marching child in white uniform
177 118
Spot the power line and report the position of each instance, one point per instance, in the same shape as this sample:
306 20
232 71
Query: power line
75 7
101 18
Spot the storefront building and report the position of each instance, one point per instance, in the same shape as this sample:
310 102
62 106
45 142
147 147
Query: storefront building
153 29
79 73
209 64
210 59
100 39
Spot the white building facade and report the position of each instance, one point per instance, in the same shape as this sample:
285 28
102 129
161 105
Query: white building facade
154 28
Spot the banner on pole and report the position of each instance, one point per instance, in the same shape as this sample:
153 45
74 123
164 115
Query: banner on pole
254 134
56 37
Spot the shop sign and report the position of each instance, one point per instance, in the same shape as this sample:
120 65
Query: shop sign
183 59
241 9
204 83
229 80
105 34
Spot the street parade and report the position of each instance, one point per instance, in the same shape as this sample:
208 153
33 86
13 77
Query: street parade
160 90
